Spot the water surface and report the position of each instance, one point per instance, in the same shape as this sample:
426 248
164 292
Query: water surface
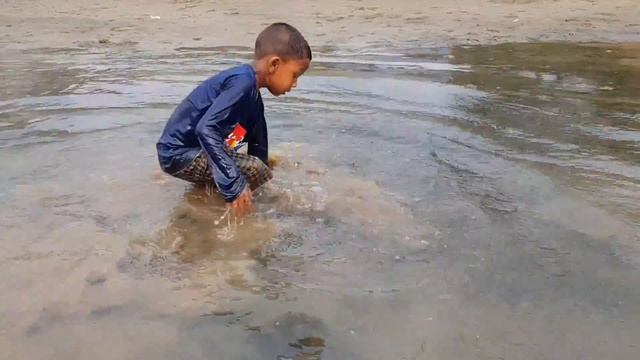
454 203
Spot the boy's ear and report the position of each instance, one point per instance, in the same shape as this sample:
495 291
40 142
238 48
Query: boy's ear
273 63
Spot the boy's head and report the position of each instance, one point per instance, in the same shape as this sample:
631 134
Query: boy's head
283 55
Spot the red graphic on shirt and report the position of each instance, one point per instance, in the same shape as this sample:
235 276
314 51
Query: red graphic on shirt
236 136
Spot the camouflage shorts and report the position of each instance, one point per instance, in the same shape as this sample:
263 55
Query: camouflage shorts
254 170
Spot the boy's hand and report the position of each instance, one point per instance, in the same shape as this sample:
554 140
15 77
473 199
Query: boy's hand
242 206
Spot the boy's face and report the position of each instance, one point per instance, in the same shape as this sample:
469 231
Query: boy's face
284 74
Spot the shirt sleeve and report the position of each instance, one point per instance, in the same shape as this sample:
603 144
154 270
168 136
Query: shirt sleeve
213 127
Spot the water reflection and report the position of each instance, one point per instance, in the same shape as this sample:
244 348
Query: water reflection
568 110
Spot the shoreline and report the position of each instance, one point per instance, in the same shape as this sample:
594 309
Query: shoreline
163 26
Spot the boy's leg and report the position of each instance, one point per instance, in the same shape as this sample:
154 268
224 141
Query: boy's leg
197 172
254 170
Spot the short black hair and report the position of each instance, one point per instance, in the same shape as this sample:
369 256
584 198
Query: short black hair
282 39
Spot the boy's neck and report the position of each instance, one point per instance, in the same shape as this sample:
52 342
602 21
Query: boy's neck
260 69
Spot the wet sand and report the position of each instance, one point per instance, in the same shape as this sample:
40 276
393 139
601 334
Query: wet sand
164 25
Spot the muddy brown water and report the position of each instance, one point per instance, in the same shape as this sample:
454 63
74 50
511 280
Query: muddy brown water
451 203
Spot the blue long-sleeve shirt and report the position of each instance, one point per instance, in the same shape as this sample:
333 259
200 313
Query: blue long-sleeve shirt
224 110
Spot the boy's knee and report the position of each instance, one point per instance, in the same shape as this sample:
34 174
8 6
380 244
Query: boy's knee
258 174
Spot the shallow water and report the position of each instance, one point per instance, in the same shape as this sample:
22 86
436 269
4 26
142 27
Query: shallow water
462 203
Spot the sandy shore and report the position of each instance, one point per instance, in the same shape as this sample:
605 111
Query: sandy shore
163 25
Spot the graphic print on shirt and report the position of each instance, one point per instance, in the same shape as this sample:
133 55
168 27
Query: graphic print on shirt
234 140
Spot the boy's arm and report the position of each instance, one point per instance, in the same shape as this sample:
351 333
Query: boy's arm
212 130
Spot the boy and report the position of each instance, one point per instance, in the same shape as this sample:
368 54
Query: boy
200 140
